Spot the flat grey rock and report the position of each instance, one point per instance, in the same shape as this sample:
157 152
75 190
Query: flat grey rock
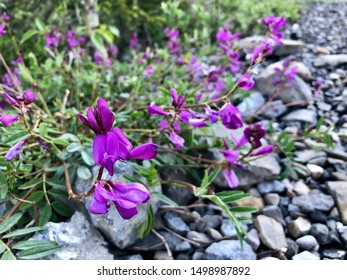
229 250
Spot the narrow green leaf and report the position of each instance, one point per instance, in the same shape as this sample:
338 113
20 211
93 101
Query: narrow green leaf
32 183
2 178
34 197
243 209
45 215
114 30
27 35
87 158
23 231
10 222
3 191
228 193
235 197
38 252
43 129
27 244
146 226
39 24
2 247
15 138
84 173
8 256
61 209
165 199
56 183
58 192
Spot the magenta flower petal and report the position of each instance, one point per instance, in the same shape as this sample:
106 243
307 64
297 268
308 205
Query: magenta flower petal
8 120
93 124
231 155
14 151
231 177
177 140
155 110
126 213
112 147
99 148
29 96
105 114
246 82
145 151
231 116
124 144
5 17
263 151
11 100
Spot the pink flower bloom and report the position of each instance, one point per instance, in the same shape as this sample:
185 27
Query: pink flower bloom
148 71
177 140
134 41
246 82
8 120
14 151
231 116
5 17
263 151
155 110
231 177
261 52
2 30
274 24
254 133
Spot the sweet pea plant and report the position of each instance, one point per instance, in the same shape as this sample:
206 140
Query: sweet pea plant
165 98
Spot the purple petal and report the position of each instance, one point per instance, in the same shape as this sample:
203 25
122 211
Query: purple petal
8 120
246 82
29 96
155 110
126 213
124 144
105 114
231 155
15 150
112 147
92 121
174 97
99 148
11 100
98 204
145 151
177 140
108 163
263 151
231 177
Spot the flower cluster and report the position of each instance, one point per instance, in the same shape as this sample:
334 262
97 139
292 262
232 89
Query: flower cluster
286 75
109 145
5 18
173 43
274 24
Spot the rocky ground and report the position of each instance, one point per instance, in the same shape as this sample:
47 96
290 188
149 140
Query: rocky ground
301 217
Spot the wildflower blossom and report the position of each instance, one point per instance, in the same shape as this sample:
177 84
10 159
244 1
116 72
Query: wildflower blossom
2 30
246 82
134 41
14 151
5 17
231 116
274 24
8 120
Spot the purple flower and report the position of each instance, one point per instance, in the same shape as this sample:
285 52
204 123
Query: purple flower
163 125
231 155
234 63
2 30
124 196
177 140
263 151
105 150
274 24
177 101
317 85
71 38
223 35
192 118
261 52
231 116
226 39
29 97
148 71
14 151
101 119
112 51
212 115
52 39
134 41
231 177
155 110
245 82
11 100
5 17
254 133
173 43
290 76
8 120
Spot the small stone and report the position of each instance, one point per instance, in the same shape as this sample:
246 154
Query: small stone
315 170
299 227
339 176
338 190
332 60
197 256
342 230
318 217
228 228
229 250
274 109
253 239
161 255
300 188
274 212
213 221
271 232
271 187
308 156
176 244
215 234
251 104
302 70
302 115
198 236
272 199
288 47
315 200
251 201
334 238
183 257
174 222
324 106
334 254
321 50
307 242
305 255
292 248
132 258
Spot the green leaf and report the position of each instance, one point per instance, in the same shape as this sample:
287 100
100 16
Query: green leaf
32 183
114 30
235 197
39 24
43 129
2 247
87 158
8 256
34 197
165 199
74 147
56 183
27 35
45 215
96 39
208 178
2 178
60 141
61 209
15 138
108 36
58 192
133 179
243 209
23 231
146 226
84 173
3 191
27 244
10 222
38 252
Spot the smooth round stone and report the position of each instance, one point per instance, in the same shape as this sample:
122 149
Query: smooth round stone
307 242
